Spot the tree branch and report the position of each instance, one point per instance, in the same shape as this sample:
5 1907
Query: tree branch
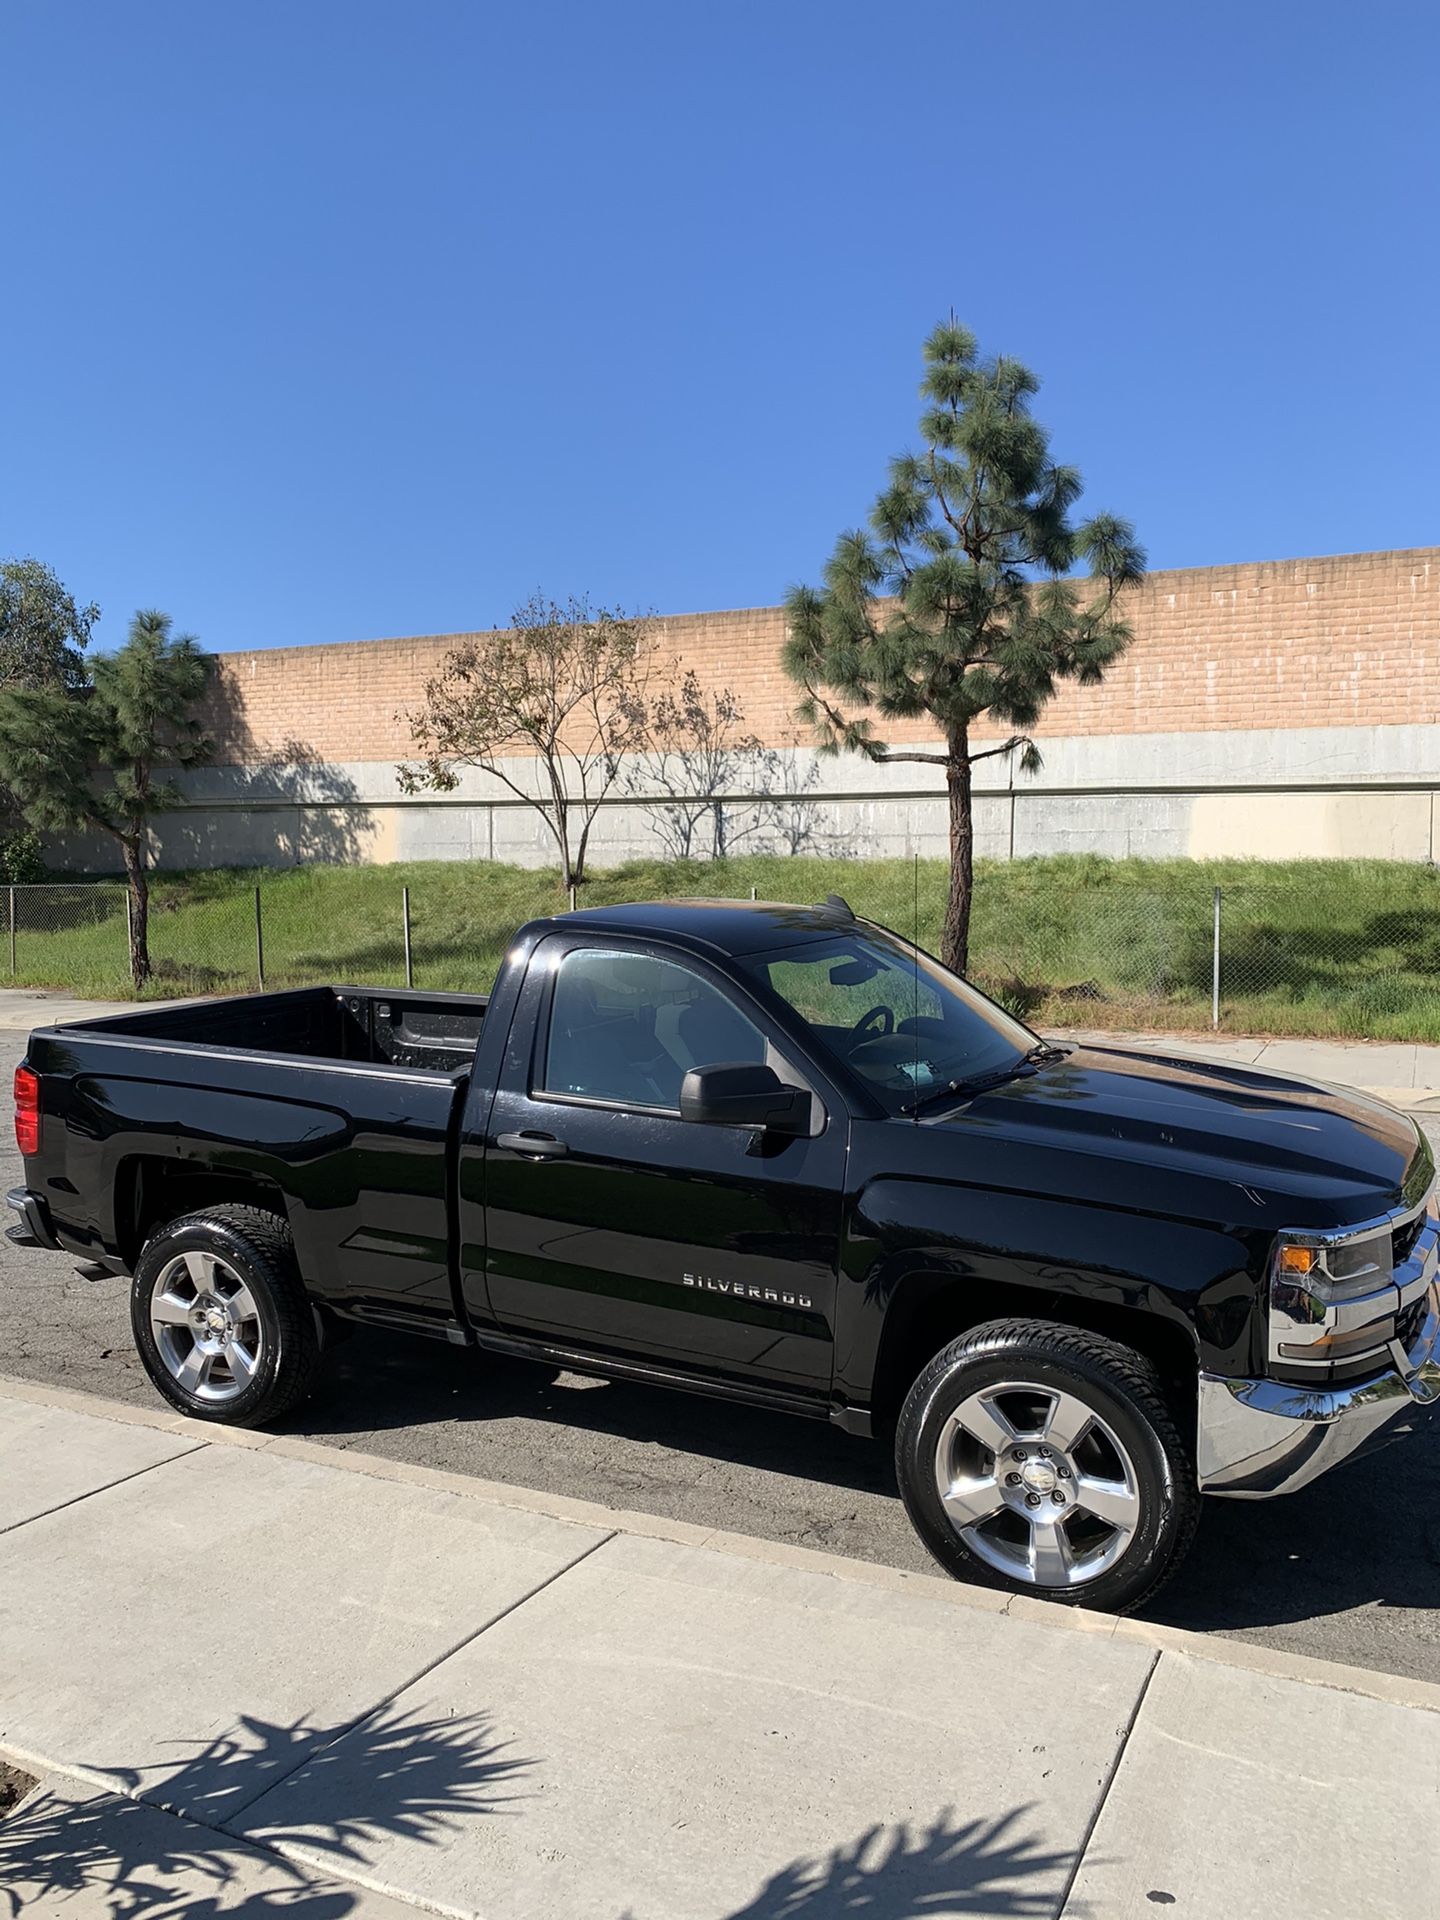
886 758
1015 741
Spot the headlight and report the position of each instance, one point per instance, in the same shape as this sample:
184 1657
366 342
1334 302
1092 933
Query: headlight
1331 1302
1335 1273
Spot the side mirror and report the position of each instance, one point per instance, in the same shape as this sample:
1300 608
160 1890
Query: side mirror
747 1095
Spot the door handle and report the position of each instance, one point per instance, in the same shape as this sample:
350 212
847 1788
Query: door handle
536 1146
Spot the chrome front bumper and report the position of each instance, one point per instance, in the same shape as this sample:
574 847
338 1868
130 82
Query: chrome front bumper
1257 1438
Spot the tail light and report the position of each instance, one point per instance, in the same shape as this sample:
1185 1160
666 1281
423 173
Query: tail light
27 1110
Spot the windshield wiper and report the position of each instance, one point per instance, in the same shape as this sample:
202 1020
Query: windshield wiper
1028 1063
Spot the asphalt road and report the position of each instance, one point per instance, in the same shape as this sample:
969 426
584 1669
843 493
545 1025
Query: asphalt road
1347 1570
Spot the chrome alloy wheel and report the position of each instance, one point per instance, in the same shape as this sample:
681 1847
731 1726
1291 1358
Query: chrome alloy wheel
206 1326
1036 1484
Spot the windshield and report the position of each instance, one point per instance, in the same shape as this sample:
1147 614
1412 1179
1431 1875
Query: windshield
896 1018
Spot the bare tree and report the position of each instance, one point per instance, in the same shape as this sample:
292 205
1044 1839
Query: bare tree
564 686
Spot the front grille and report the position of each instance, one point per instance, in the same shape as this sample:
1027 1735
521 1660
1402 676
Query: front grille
1404 1239
1409 1323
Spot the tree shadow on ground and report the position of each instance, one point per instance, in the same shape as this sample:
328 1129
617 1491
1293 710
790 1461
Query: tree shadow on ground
896 1873
136 1863
404 1777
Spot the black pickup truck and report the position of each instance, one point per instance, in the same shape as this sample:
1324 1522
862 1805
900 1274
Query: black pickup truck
773 1153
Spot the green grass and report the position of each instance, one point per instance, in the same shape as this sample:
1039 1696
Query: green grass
1309 947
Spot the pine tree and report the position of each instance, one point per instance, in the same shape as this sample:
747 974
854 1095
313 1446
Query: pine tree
90 757
954 604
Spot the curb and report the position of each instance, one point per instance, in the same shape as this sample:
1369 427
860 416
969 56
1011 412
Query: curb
1270 1662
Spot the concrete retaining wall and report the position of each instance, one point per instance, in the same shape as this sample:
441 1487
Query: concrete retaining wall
1261 794
1278 709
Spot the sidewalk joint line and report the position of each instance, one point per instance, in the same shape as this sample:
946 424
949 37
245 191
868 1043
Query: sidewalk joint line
404 1686
91 1493
1106 1785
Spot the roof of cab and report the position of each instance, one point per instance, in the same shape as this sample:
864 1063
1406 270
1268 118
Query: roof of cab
725 926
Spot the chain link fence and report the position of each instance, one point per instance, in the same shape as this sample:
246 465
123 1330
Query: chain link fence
1130 958
56 933
1298 960
1249 957
208 937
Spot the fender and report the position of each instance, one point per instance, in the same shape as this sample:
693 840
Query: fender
382 1199
909 1241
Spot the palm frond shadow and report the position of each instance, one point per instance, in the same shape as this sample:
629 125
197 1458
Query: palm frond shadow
121 1858
406 1778
983 1866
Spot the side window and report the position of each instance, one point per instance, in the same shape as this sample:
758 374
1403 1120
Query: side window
627 1028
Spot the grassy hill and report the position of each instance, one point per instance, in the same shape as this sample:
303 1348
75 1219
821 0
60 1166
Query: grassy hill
1315 947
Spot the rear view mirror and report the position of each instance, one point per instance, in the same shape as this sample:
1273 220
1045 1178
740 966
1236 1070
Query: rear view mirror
744 1095
853 973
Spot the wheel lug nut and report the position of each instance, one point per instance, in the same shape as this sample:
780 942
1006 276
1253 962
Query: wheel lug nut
1044 1453
1064 1472
1032 1499
1012 1479
1058 1497
1019 1454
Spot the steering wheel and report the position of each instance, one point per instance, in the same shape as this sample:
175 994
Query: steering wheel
879 1020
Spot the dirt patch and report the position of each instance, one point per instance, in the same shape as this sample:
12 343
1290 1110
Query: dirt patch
14 1785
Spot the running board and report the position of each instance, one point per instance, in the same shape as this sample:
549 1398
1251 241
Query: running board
582 1360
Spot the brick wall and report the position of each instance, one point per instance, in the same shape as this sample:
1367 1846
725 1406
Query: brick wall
1352 640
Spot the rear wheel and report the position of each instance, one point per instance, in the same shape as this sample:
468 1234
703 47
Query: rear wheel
220 1317
1035 1457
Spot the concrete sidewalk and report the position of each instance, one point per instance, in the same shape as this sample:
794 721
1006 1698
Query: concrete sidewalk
1406 1075
22 1008
253 1674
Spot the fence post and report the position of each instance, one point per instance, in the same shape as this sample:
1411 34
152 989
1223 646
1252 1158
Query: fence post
11 892
129 931
405 917
1215 968
754 893
572 899
259 943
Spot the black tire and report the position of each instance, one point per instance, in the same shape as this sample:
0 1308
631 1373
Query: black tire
258 1248
1123 1391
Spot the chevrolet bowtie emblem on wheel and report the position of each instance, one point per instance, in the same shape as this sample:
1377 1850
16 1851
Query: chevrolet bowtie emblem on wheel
772 1296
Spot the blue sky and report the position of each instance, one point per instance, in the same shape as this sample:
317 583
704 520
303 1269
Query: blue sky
327 319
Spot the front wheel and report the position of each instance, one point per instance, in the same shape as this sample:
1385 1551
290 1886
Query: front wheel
1046 1460
220 1316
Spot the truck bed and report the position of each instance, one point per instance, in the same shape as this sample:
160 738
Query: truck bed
336 1105
431 1032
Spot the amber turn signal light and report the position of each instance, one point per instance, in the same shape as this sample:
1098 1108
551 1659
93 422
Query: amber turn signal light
1298 1259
